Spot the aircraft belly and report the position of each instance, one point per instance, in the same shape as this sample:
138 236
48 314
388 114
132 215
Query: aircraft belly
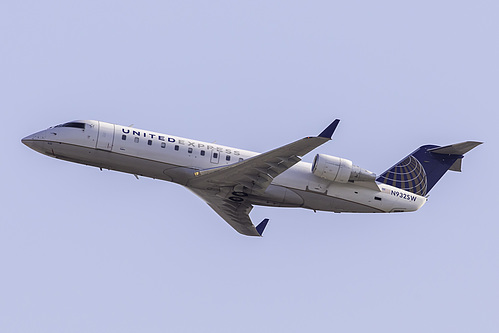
319 194
278 196
325 202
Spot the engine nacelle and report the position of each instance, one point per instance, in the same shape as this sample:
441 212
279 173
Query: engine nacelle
339 170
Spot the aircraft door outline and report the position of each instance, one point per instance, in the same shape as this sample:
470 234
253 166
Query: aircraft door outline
105 137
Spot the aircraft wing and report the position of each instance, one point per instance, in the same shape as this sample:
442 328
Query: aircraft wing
257 173
253 175
234 213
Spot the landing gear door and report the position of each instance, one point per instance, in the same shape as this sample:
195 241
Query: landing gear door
105 138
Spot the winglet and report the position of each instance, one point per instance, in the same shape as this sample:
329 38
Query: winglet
261 227
328 132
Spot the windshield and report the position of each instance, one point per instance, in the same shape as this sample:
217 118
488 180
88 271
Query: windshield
73 124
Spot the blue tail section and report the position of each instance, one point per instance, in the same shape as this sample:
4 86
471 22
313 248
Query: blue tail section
423 168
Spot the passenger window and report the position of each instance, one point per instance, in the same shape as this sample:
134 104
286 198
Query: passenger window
136 140
215 155
149 142
189 150
227 158
177 147
203 153
123 137
163 145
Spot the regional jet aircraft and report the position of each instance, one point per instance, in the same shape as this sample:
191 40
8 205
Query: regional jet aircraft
232 181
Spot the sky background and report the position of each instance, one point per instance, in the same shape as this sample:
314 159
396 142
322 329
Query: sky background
88 251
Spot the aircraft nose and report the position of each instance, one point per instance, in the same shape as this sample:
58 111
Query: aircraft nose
37 136
33 140
26 140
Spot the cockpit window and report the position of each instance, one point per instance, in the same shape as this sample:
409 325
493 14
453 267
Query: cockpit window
73 124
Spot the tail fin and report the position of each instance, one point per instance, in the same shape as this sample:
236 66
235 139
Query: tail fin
421 170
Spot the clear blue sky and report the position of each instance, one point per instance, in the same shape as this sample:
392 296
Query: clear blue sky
88 251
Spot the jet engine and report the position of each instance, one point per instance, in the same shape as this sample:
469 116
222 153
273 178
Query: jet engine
339 170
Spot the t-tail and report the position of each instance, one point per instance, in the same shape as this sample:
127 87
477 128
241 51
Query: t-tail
421 170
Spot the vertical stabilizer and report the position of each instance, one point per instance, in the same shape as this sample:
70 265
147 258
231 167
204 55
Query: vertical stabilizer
423 168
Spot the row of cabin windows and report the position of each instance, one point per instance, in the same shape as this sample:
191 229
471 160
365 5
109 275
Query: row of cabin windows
177 148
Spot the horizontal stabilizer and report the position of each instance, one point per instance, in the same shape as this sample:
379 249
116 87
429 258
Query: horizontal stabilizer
456 149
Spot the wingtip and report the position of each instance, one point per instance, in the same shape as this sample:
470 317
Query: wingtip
261 226
328 132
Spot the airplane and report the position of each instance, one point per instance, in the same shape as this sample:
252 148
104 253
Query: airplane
231 180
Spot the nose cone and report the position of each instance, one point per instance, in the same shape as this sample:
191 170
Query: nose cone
28 140
35 141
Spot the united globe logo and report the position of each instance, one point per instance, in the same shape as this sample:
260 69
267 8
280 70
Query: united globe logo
408 175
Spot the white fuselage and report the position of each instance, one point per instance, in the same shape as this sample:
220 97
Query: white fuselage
176 159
